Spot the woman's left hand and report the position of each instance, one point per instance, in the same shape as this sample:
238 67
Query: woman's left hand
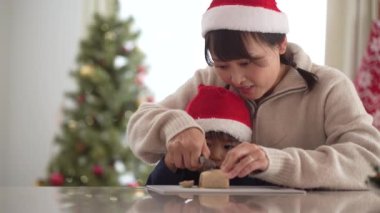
244 159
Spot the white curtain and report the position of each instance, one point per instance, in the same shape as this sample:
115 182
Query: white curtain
347 32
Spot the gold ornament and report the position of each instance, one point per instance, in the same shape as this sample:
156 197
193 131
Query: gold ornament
73 124
40 182
86 70
110 36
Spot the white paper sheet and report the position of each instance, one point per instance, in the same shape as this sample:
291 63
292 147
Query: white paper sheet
233 190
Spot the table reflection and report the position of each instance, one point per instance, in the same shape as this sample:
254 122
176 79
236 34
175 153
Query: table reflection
131 200
95 199
321 201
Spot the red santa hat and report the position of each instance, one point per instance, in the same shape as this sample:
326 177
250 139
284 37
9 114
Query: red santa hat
218 109
245 15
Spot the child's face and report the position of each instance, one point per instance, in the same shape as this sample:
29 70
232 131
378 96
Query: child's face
219 148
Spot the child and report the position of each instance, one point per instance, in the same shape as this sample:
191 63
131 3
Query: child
225 119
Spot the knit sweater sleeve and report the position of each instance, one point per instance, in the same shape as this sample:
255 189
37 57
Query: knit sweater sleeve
153 125
344 160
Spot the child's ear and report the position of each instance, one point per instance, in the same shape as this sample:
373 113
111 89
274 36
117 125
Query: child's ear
283 45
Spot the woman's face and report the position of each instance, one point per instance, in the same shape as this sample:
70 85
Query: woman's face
256 76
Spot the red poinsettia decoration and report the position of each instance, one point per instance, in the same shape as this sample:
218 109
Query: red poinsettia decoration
367 80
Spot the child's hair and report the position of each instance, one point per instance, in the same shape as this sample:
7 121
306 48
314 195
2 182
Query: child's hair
230 45
217 135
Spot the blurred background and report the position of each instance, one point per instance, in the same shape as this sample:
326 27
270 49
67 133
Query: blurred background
40 43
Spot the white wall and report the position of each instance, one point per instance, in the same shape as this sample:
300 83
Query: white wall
171 36
171 39
4 94
43 43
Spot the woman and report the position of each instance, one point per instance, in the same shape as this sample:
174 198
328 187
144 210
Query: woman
310 129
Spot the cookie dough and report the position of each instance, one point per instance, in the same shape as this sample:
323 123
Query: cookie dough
213 179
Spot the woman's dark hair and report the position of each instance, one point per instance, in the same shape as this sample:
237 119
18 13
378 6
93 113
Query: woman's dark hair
230 45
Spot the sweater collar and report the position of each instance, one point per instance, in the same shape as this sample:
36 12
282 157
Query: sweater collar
292 80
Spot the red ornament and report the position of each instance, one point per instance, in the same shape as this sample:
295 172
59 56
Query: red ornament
150 99
97 170
81 99
139 80
141 70
57 179
133 184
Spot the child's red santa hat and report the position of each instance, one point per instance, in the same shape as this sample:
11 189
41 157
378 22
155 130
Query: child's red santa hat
245 15
218 109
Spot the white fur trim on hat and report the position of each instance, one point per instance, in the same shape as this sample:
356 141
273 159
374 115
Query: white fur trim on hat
235 128
243 18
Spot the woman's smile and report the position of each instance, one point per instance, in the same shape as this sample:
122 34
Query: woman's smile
246 90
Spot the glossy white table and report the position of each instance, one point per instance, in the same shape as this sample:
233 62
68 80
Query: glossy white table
118 199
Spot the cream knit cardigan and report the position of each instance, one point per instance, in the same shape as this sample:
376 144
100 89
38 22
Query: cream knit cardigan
317 139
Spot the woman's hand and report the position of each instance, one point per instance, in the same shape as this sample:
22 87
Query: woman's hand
244 159
184 149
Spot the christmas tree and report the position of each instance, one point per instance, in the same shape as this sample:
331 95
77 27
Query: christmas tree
110 88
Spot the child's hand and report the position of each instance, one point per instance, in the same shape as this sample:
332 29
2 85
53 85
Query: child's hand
244 159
